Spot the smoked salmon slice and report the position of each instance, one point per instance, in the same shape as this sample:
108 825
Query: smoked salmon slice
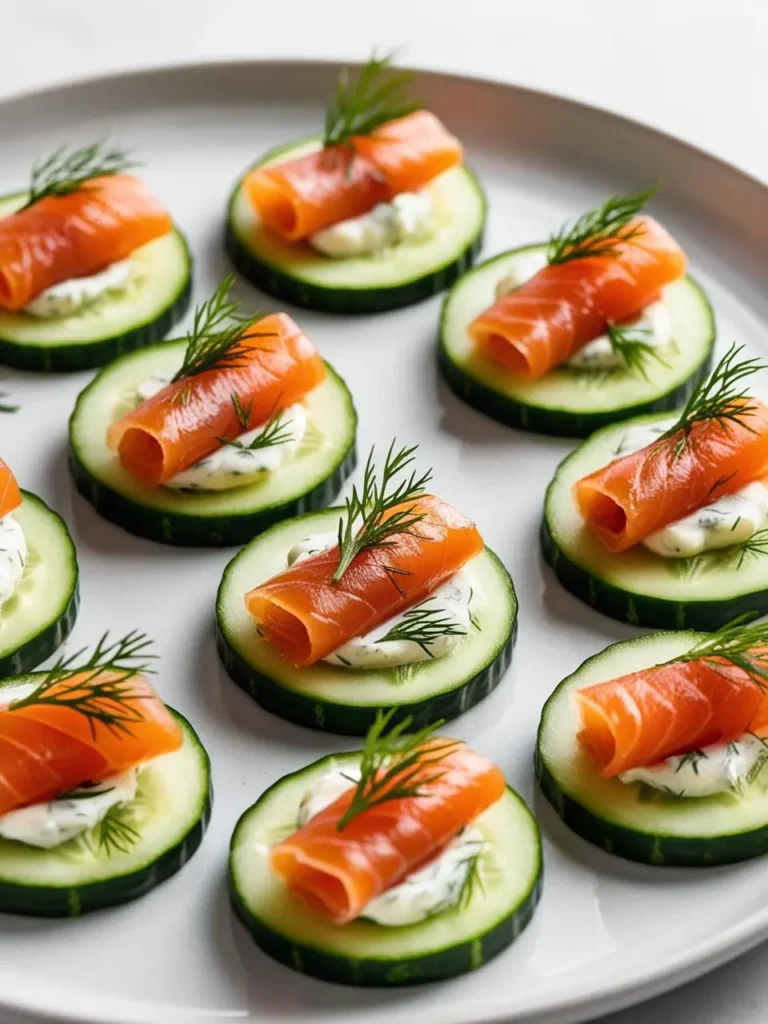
298 197
48 748
307 616
644 717
10 495
276 365
549 318
337 872
75 235
637 494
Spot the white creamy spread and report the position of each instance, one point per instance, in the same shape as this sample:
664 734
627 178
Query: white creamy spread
408 217
13 556
50 824
450 602
235 465
432 888
732 519
714 769
69 297
597 354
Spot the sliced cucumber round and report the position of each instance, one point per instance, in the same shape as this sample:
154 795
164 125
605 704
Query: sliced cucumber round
638 586
310 480
567 401
346 700
148 840
141 313
451 942
633 820
40 614
403 275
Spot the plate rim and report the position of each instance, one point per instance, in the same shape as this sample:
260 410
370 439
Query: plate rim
619 991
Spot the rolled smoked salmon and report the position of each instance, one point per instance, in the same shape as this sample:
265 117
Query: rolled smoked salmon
337 872
10 495
549 318
637 494
644 717
298 197
47 749
76 235
307 616
276 367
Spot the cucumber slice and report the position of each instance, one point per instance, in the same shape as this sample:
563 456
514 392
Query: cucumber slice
570 402
40 614
639 586
119 322
373 283
454 941
346 701
310 480
630 819
168 818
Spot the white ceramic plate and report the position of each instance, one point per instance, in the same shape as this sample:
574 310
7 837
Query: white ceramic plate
607 933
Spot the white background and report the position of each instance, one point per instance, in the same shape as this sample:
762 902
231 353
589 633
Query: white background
695 68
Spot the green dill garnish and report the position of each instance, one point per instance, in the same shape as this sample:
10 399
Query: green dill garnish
597 232
423 626
375 97
745 647
85 791
66 170
692 758
4 406
114 834
718 398
396 764
631 346
757 544
367 523
473 881
273 433
100 687
218 331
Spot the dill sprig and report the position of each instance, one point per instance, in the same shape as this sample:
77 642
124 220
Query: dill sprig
719 397
396 764
597 232
473 881
274 432
66 170
360 106
4 406
631 346
757 545
423 626
218 330
100 687
114 834
367 523
745 647
692 758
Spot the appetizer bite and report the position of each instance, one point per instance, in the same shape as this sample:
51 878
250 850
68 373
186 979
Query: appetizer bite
409 861
596 325
91 265
391 602
209 440
656 748
39 593
378 212
104 791
663 521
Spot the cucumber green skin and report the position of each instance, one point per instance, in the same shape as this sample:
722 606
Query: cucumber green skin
92 354
49 901
346 301
203 531
640 609
35 651
645 847
353 720
558 422
372 973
